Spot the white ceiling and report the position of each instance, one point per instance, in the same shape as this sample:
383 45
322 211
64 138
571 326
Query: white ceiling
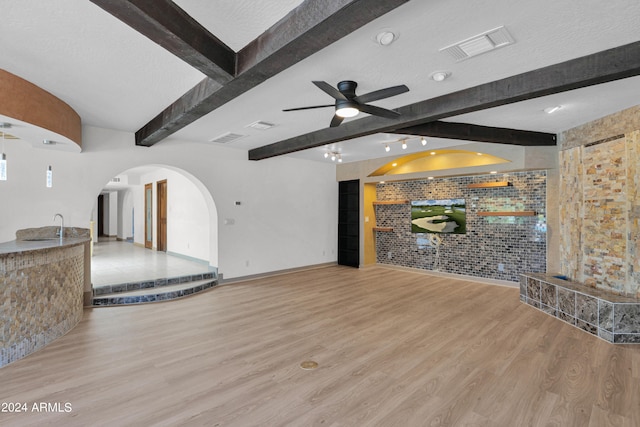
116 78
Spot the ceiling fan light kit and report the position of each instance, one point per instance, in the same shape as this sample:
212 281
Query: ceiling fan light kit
348 104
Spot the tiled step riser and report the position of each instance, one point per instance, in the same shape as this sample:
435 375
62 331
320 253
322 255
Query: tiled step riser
152 297
149 284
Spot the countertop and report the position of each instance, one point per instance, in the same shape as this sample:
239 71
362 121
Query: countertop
21 246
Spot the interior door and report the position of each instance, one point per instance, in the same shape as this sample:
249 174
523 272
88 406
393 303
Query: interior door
148 216
162 215
100 216
349 223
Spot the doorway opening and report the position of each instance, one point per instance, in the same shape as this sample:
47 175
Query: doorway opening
158 212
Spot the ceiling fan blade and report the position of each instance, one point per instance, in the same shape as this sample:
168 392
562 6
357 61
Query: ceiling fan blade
381 94
377 111
309 108
336 121
330 90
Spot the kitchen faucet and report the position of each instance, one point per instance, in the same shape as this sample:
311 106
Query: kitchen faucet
61 231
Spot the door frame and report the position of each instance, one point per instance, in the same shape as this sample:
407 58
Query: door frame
161 217
148 216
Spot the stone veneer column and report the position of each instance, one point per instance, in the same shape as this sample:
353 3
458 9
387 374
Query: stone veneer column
633 206
571 212
604 226
600 202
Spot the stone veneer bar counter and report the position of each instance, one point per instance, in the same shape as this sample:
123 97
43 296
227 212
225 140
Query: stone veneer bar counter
614 318
42 282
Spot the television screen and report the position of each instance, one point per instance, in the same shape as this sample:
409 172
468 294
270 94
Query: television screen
447 216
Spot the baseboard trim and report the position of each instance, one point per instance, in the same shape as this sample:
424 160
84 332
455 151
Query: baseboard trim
453 276
190 258
223 281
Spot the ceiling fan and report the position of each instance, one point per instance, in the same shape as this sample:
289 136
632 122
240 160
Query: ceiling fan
348 104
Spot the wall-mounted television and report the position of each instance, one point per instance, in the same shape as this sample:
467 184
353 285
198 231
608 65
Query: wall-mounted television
446 216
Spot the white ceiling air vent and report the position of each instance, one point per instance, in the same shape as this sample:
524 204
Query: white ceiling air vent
485 42
225 138
261 125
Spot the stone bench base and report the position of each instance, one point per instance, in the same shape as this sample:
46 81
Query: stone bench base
613 318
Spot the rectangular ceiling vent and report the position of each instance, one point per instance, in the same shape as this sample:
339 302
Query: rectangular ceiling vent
261 125
225 138
485 42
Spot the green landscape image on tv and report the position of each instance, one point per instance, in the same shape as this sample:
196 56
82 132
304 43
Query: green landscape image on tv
447 216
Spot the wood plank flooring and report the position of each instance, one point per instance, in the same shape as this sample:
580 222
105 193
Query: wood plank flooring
394 348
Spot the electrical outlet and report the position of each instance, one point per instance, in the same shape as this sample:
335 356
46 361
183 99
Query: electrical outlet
500 267
389 255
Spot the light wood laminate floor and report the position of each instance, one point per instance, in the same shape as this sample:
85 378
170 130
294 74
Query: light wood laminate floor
394 348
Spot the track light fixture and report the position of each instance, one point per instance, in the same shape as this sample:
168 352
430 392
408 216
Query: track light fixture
403 142
334 155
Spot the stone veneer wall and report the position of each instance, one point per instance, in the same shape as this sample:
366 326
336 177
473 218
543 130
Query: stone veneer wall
41 298
600 209
518 243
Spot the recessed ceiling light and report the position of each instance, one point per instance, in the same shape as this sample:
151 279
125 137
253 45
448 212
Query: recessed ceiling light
381 182
439 76
404 145
551 110
433 153
423 140
479 154
394 164
387 148
385 38
429 177
493 172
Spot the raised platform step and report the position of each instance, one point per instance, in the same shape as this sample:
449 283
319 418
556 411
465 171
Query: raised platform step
153 290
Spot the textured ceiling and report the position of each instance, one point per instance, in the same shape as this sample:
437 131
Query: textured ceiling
116 78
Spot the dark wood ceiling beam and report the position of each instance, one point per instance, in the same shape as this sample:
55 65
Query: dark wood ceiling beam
469 132
602 67
312 26
168 25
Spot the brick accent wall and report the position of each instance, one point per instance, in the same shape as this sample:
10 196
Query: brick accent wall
518 244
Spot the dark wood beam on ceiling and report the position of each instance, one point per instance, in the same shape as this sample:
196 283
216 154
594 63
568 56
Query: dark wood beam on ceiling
602 67
469 132
312 26
168 25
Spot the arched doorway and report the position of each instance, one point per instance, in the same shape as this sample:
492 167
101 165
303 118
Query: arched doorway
121 225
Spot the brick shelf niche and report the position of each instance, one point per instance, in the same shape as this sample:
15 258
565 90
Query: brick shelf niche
614 318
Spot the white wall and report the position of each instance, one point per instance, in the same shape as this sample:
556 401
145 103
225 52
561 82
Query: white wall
112 207
287 217
125 208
